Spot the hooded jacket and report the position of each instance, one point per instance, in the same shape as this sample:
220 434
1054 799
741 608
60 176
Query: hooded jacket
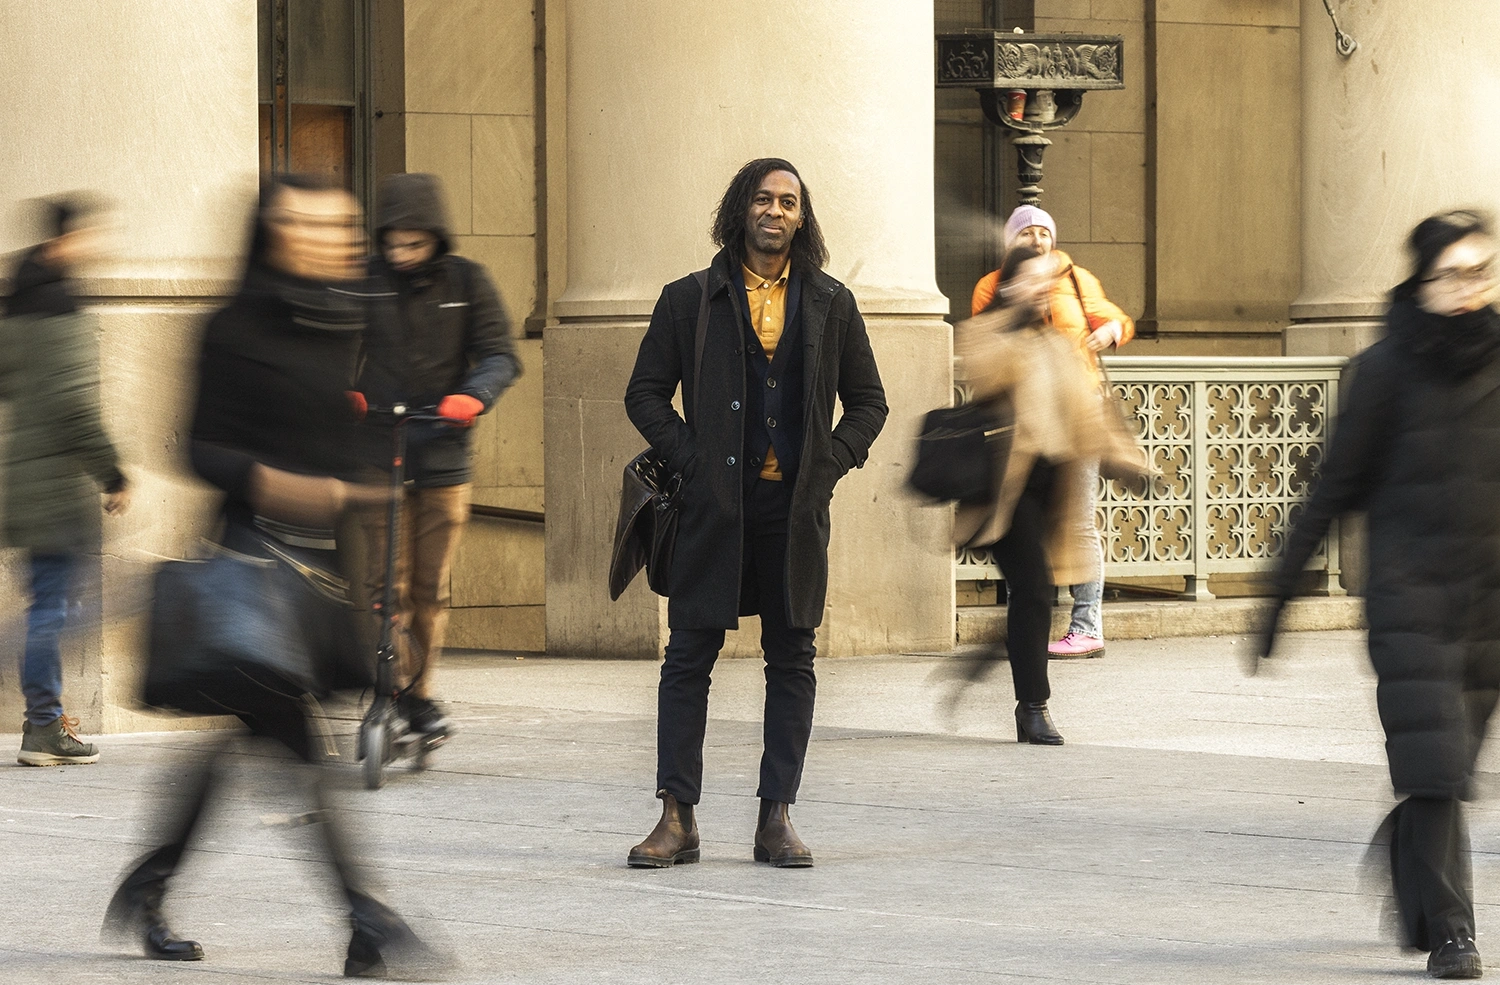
57 455
435 331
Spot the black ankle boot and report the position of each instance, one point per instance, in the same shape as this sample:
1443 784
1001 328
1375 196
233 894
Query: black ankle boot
136 909
1034 724
382 942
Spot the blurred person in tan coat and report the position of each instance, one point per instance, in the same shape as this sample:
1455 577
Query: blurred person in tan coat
1079 311
1035 525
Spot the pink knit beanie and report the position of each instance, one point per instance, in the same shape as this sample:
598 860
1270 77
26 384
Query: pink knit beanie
1027 215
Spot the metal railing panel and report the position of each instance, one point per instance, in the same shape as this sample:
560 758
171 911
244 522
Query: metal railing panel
1237 442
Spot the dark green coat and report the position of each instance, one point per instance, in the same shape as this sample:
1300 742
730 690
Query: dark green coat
57 456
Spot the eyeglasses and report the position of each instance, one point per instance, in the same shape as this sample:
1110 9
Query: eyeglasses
1456 277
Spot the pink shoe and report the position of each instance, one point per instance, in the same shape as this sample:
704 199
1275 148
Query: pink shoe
1076 645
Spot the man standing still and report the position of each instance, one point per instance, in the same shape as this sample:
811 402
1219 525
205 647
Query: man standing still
58 459
441 339
759 455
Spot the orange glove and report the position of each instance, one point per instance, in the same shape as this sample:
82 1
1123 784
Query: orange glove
460 408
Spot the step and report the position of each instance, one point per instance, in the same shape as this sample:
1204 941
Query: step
1150 620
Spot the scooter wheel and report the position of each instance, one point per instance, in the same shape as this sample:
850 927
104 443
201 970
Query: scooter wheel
375 752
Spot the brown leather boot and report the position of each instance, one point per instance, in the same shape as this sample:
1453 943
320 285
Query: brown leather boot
674 840
776 840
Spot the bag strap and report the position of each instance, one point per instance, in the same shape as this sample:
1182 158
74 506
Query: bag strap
1078 290
701 336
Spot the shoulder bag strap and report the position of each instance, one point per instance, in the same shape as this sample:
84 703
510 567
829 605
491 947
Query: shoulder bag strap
1078 289
700 337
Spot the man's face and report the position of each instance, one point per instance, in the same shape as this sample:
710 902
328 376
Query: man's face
1038 238
315 234
775 214
408 249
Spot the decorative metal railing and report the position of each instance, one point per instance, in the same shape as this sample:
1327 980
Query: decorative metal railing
1238 442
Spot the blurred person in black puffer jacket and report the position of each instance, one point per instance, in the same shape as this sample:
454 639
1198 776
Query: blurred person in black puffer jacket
1417 449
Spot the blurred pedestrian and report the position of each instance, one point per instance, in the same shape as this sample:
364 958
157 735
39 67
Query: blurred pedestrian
1033 526
441 339
1417 450
759 455
1078 308
57 456
273 431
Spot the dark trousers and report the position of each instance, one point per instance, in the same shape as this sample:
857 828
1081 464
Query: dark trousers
1028 587
1430 871
274 716
682 698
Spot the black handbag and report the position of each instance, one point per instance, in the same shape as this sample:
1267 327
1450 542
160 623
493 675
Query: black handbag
646 531
220 623
962 451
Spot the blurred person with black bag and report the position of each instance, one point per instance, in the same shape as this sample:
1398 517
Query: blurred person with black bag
1416 448
1010 356
274 431
759 454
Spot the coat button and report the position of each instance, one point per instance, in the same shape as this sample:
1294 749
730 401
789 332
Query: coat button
729 460
770 422
754 463
734 405
771 382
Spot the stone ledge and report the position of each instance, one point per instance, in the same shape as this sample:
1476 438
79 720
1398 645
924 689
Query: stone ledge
1149 620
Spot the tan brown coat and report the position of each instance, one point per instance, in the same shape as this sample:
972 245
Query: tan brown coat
1060 417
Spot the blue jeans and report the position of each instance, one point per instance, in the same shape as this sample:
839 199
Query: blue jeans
1087 618
41 662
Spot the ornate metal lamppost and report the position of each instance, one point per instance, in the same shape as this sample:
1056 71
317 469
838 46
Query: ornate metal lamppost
1029 84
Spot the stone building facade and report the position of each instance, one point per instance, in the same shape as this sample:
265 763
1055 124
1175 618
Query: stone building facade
1245 194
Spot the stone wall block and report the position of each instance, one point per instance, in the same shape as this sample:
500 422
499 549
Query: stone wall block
1256 13
470 56
1118 188
442 145
505 175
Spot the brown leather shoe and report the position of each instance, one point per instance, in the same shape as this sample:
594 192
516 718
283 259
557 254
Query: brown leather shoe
674 840
776 840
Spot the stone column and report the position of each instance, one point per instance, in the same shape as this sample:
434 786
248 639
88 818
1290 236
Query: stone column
152 102
662 109
1407 126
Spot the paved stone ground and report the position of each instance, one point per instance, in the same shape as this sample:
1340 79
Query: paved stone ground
1199 826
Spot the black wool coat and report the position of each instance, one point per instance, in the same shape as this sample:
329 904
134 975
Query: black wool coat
708 447
1418 450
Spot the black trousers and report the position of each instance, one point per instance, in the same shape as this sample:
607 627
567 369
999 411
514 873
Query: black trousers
1430 871
1022 558
682 698
282 719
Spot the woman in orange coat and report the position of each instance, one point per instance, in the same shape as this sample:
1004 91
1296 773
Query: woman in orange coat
1079 310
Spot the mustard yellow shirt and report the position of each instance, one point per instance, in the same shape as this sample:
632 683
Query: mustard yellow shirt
768 316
